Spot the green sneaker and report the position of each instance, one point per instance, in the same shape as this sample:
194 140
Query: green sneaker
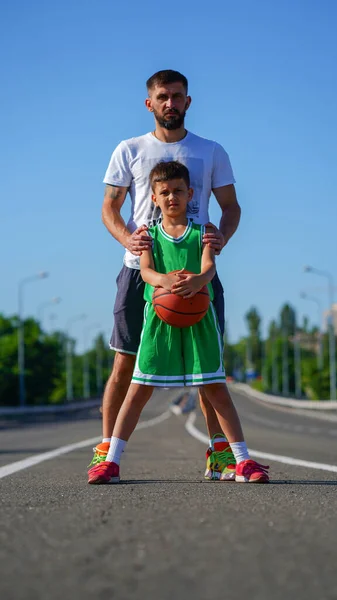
220 461
100 454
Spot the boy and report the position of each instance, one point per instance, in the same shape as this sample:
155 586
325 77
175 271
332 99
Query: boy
169 356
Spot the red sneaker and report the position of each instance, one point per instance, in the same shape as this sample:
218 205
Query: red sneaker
104 472
249 471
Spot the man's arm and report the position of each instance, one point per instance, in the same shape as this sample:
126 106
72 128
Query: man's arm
230 218
114 198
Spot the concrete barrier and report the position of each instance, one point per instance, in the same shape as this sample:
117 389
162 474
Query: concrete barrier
21 411
281 401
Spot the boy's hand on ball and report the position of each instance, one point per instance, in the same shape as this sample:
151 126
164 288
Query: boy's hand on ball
169 280
187 286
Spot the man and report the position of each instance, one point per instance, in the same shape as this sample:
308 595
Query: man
128 171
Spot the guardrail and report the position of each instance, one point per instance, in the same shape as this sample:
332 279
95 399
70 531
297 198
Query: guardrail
281 401
20 411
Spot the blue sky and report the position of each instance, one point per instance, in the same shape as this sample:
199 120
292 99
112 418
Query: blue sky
263 81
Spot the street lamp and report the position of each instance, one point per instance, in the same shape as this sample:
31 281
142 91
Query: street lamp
305 296
297 361
43 305
21 334
332 349
86 378
69 355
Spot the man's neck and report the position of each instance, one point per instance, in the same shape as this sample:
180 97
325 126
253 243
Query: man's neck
169 136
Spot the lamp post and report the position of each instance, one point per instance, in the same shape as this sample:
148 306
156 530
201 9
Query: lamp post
297 361
21 334
43 305
99 375
86 378
305 296
69 355
52 319
275 388
285 366
332 348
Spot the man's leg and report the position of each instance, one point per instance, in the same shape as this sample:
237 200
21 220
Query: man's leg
116 390
220 462
212 421
128 319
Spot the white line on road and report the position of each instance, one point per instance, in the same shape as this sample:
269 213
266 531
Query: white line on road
35 460
288 460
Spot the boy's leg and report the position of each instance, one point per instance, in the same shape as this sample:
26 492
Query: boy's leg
128 416
247 470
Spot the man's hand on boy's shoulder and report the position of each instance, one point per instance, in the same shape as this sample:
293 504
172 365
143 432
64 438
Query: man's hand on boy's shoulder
139 240
213 238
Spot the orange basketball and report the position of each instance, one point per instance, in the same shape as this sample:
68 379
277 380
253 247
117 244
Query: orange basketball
178 311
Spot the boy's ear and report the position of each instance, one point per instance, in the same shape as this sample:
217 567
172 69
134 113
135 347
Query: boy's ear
154 200
190 194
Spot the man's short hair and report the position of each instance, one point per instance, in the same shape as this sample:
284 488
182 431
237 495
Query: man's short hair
166 171
164 77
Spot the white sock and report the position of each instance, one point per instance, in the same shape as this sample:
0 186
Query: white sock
115 451
240 451
106 440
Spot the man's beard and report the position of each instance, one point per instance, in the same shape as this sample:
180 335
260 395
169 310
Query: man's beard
173 122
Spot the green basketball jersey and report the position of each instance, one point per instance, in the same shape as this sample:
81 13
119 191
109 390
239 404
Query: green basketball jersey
171 254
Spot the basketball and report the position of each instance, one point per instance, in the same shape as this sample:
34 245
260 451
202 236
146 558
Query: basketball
178 311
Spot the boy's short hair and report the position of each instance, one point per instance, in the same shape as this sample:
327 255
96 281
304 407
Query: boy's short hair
166 76
166 171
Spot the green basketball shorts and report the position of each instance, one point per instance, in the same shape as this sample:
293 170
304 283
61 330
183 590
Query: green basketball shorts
173 357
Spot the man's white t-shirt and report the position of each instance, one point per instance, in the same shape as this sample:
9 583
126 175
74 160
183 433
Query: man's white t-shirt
131 163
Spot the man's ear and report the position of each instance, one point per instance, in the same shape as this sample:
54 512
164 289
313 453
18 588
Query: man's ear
188 102
148 104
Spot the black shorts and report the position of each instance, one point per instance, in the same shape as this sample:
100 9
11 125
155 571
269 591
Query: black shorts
129 310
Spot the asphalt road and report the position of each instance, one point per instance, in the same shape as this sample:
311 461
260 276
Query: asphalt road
164 532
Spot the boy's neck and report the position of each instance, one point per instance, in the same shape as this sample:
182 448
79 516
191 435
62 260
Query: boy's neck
172 223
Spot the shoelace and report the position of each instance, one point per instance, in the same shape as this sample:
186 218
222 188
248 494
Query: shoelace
225 457
97 458
253 466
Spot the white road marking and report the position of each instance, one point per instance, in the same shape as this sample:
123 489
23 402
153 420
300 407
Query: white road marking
288 460
154 421
35 460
